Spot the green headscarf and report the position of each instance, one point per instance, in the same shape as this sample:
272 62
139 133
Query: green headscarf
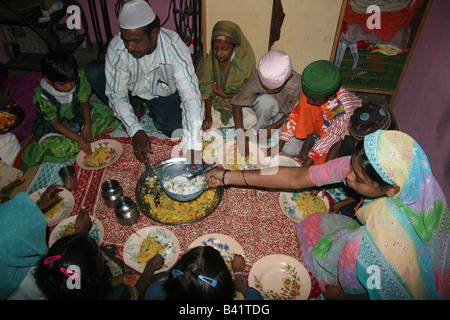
236 74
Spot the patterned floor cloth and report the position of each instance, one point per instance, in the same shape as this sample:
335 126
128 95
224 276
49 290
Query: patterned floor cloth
252 217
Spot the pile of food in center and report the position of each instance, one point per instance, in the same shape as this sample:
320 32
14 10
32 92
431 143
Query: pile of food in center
182 185
177 212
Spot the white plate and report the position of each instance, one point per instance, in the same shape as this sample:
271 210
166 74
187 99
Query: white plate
97 232
116 152
66 208
163 236
280 277
226 157
226 245
289 206
281 161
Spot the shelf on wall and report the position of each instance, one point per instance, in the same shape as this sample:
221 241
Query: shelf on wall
374 71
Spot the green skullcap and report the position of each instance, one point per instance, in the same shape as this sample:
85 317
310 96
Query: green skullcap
320 79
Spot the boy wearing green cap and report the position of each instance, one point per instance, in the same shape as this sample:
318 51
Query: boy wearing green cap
323 111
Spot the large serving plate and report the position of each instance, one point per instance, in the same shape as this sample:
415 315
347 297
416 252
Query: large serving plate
280 277
63 212
164 236
14 110
116 152
161 214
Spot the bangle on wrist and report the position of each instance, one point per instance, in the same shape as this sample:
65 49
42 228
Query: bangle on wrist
223 176
239 272
243 177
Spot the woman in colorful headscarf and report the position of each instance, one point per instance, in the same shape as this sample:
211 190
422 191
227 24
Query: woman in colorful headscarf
398 247
227 68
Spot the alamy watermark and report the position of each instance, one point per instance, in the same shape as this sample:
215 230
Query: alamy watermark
374 280
74 19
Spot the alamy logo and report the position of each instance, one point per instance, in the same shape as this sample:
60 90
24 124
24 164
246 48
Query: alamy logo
374 280
374 21
74 277
74 19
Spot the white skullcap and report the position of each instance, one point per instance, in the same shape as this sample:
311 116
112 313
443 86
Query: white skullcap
136 14
274 69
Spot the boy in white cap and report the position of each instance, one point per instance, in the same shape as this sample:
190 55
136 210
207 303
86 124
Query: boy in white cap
272 93
149 66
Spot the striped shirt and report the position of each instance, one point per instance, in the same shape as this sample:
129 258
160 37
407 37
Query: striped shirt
167 70
336 117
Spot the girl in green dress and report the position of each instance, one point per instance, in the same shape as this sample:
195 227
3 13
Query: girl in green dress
66 121
224 72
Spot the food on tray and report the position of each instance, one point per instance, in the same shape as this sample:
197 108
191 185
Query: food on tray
54 209
236 161
6 119
176 212
69 230
308 204
149 248
182 185
207 148
99 156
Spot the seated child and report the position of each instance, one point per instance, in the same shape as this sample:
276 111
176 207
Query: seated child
76 268
323 111
272 93
365 120
66 121
201 273
227 68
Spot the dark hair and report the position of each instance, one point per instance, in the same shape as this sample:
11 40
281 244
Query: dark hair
367 167
74 250
206 261
156 23
59 66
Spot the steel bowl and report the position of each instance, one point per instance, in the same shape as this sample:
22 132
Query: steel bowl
126 211
111 192
176 170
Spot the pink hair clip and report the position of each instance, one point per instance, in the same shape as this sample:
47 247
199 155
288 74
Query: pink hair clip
72 275
51 259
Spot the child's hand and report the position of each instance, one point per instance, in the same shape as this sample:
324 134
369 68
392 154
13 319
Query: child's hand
86 133
84 145
238 263
207 123
83 222
49 197
219 91
156 262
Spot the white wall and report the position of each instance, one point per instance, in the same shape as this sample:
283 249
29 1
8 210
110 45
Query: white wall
307 33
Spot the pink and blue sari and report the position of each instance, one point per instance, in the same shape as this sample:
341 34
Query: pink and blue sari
398 247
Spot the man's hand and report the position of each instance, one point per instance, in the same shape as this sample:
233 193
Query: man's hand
141 145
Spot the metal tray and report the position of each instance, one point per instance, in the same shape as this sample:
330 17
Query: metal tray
143 188
17 111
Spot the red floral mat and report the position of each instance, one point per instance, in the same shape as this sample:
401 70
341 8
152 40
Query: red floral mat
252 217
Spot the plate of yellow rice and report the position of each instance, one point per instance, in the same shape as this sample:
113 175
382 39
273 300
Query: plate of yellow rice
104 153
144 244
59 210
297 206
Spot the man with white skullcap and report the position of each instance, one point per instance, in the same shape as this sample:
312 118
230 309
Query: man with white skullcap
150 67
272 93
